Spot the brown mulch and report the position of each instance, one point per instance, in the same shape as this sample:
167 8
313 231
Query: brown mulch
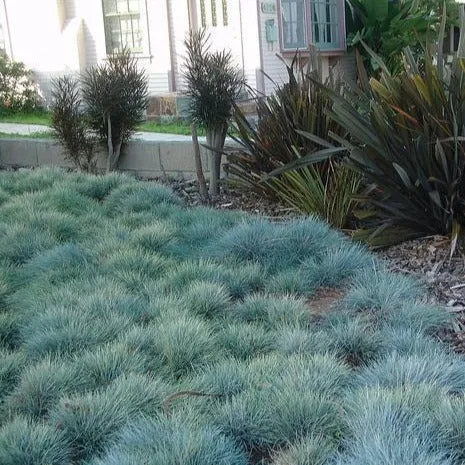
427 259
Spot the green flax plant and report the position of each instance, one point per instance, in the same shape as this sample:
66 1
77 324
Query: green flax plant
324 187
406 136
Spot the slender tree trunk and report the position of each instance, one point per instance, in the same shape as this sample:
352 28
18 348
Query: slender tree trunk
198 165
216 139
110 146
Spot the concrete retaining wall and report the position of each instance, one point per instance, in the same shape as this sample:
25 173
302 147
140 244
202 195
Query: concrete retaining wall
148 159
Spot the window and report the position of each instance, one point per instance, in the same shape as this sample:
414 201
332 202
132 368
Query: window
312 22
123 25
209 13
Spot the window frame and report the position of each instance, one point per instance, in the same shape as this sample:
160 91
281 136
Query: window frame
142 15
309 31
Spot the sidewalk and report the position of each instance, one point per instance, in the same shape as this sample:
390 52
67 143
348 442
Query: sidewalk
26 129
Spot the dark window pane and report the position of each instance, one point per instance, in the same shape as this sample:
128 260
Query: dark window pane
294 24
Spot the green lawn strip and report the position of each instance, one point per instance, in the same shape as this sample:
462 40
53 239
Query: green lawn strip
44 119
134 329
32 135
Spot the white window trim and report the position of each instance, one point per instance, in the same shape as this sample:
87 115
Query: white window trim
308 23
144 51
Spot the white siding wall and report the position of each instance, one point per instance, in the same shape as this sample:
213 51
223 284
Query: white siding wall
250 42
271 63
179 21
53 37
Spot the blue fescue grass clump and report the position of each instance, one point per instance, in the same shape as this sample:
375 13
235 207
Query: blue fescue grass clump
276 246
41 386
11 366
154 236
4 196
63 332
134 329
99 187
168 441
353 339
20 242
245 341
410 342
311 450
288 340
437 369
335 266
106 363
147 264
381 290
423 318
139 197
185 344
30 181
225 379
450 415
272 310
387 427
7 283
64 198
23 442
286 400
91 421
207 299
269 419
9 330
61 263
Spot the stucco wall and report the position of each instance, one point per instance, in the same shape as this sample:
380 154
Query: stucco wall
143 158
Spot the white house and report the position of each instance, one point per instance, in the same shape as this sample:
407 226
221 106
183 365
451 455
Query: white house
53 37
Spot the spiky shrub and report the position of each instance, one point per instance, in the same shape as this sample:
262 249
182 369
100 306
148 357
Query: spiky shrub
325 187
24 442
70 126
213 84
406 137
116 95
17 90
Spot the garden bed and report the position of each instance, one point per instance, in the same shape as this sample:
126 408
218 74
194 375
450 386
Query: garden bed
134 329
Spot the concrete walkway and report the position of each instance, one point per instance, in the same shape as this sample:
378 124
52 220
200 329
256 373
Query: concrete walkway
26 129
